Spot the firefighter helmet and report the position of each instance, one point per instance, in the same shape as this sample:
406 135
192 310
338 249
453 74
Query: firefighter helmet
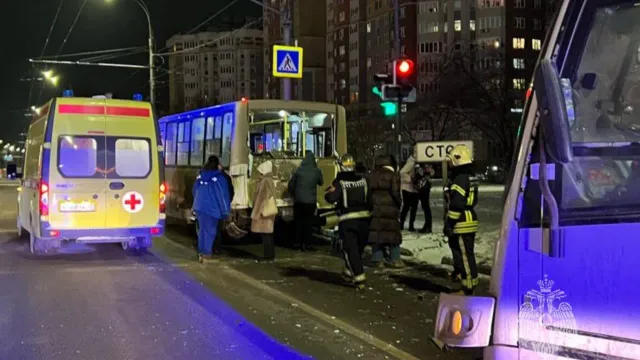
347 163
460 155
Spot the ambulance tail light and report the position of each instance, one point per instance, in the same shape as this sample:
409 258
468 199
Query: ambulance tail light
163 197
44 198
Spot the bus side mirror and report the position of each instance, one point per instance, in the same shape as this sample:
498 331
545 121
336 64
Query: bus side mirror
554 121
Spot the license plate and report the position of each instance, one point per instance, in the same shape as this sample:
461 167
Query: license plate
77 206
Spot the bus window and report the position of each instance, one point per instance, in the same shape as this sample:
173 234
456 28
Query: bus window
319 133
197 142
171 143
163 132
214 136
183 142
266 137
227 128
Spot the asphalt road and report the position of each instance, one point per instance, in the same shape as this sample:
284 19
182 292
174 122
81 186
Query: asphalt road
98 302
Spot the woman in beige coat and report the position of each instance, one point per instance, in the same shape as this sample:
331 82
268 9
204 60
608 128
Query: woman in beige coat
265 209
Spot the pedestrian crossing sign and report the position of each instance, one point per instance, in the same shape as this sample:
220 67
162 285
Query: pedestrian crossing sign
287 61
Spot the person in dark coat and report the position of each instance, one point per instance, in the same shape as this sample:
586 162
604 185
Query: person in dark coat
217 245
304 188
384 201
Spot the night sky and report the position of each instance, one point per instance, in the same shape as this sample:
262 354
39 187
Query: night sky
100 26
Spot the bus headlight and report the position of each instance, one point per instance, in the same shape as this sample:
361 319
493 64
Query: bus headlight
464 321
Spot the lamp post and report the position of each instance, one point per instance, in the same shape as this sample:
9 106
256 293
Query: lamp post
152 82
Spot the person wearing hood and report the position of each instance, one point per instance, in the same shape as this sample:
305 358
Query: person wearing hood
384 201
211 203
304 188
265 209
461 221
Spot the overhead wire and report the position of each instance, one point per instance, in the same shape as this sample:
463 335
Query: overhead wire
64 41
95 52
206 21
44 47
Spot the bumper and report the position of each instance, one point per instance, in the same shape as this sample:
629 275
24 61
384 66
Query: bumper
464 321
103 235
501 352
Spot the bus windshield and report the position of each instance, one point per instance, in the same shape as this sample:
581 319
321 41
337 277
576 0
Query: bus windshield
603 107
291 131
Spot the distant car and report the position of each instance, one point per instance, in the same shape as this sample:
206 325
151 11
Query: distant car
494 174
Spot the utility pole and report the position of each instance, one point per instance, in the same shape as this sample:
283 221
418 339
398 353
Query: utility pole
397 141
285 20
152 77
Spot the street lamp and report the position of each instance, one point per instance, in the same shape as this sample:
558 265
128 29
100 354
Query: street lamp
152 83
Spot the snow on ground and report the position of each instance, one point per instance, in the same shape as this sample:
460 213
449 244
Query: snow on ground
432 248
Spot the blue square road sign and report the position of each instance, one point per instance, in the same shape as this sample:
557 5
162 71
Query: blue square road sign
287 61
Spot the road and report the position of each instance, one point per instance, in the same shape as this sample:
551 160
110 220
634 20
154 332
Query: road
97 302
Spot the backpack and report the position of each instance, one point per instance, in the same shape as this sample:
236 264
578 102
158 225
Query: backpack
420 179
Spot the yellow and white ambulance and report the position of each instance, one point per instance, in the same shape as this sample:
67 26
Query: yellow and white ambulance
93 174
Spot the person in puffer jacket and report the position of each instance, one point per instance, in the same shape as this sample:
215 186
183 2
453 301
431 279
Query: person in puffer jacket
212 203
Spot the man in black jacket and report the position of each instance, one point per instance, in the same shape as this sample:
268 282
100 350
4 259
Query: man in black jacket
349 194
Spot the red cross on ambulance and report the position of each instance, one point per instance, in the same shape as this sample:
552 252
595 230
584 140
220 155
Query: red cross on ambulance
132 202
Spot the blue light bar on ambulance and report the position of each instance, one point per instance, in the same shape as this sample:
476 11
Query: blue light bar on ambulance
67 93
138 97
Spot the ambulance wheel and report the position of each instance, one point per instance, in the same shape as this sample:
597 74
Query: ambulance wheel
39 246
137 245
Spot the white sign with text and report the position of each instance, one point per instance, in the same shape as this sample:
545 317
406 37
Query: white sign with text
436 151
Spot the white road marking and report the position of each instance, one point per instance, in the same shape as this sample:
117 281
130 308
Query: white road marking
343 326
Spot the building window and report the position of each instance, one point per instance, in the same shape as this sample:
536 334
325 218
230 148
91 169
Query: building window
457 25
518 63
520 4
368 62
537 24
518 84
343 83
368 27
342 50
457 4
537 4
403 32
402 13
536 44
432 27
472 25
342 16
520 22
403 50
518 43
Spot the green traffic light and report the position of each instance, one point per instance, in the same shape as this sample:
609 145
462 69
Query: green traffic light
376 91
389 108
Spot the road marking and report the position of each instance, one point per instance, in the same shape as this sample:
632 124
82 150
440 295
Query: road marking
368 338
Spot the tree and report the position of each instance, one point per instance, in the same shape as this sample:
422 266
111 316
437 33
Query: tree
472 95
366 136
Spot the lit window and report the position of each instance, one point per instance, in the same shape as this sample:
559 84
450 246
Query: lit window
342 16
536 44
472 25
518 43
432 27
342 50
368 27
518 63
518 84
457 25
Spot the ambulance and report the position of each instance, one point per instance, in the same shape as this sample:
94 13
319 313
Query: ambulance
93 173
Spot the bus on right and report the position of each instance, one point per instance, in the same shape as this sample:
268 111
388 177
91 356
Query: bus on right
565 282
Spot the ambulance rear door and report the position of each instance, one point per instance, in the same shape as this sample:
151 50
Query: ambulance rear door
76 165
133 177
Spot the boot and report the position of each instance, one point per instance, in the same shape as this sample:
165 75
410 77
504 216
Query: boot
398 264
426 230
359 281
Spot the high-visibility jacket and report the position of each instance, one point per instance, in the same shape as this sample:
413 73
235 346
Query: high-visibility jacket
462 198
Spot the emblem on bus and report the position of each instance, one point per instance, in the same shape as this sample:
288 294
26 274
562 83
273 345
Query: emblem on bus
542 323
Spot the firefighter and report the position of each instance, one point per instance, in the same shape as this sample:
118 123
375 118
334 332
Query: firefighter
461 221
349 194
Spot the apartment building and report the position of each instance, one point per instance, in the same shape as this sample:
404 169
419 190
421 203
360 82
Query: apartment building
360 43
211 67
308 29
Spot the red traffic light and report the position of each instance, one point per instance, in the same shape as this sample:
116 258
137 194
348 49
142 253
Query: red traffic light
405 67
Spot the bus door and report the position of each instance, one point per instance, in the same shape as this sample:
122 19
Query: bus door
133 178
76 166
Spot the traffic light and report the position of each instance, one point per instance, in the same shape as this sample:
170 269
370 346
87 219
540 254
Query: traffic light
381 81
402 71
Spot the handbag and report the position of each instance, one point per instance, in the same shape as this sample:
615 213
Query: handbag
270 208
